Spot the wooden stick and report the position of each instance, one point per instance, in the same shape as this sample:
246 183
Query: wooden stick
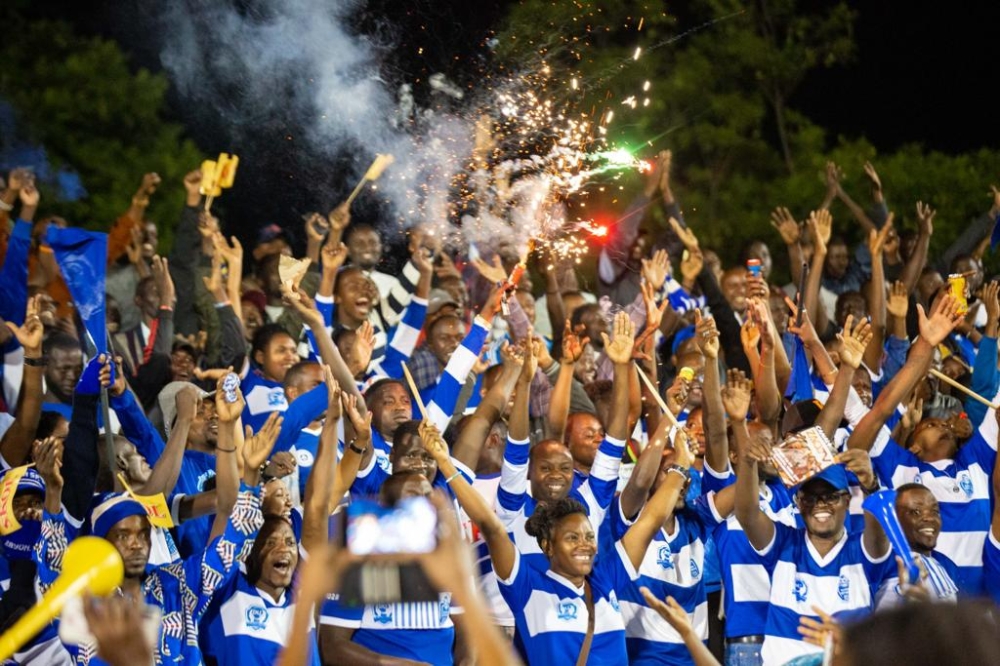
659 399
969 392
415 392
356 192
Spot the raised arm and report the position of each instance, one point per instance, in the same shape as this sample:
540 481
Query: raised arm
821 226
636 491
638 537
167 468
477 428
572 349
853 341
876 297
915 263
227 474
933 330
765 378
319 487
502 550
16 442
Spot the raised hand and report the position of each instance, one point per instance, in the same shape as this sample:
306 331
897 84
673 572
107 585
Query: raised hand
760 313
749 334
873 177
914 412
492 272
821 633
944 318
898 301
989 297
654 312
213 281
186 402
433 442
29 196
447 268
832 176
164 283
317 227
572 343
876 239
364 345
228 412
853 341
47 454
806 331
333 257
859 462
925 218
821 225
531 353
117 625
736 395
30 334
782 220
118 386
340 217
257 447
360 421
692 261
619 347
706 335
305 306
334 401
656 269
685 234
677 395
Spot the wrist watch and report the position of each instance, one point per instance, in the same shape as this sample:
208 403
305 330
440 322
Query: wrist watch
683 471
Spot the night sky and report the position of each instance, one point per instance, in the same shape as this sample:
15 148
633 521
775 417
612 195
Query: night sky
923 72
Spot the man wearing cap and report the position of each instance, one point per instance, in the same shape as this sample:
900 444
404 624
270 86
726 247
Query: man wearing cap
821 566
182 591
19 583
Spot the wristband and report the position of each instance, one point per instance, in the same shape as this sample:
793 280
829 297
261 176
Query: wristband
4 206
356 449
683 471
40 362
232 450
452 477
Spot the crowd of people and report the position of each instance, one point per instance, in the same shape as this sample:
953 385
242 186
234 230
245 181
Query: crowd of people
602 463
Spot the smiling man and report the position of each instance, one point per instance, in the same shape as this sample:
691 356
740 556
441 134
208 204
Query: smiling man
920 517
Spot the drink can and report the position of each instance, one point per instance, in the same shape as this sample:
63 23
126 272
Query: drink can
230 383
958 289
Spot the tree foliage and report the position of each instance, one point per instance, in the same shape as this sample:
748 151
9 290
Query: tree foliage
77 98
723 81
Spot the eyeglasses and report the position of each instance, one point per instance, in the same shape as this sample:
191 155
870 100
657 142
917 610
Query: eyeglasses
829 499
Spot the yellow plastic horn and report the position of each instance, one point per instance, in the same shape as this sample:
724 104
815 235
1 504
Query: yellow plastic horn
90 564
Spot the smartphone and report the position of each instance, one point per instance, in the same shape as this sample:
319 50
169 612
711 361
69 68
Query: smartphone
387 537
408 527
800 297
753 267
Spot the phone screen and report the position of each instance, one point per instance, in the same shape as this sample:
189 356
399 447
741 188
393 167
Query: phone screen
408 527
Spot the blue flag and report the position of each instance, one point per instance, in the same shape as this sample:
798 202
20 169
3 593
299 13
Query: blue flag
14 274
995 236
83 258
800 382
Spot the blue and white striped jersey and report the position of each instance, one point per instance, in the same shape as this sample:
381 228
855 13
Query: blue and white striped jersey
939 583
550 612
842 583
420 631
246 627
962 488
262 396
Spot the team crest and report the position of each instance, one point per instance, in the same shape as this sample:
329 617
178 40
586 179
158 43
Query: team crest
965 483
444 608
801 591
663 557
257 618
382 613
276 399
304 458
613 598
567 611
695 571
843 588
383 462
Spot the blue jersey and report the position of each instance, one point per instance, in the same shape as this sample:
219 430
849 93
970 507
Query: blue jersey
197 469
420 631
962 488
550 612
515 505
746 581
940 585
262 397
991 567
246 627
181 591
674 565
304 449
842 583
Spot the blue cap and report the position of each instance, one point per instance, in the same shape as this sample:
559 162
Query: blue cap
31 481
680 336
835 475
112 508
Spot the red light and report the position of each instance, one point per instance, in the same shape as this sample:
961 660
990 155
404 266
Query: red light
600 231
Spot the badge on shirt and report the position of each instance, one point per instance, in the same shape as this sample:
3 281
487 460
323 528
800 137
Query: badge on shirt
567 611
257 618
801 590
